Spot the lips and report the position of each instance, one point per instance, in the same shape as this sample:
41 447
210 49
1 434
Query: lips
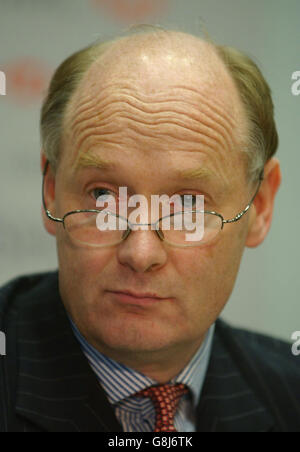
137 299
139 295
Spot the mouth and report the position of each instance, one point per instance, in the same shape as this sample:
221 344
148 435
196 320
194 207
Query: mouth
140 299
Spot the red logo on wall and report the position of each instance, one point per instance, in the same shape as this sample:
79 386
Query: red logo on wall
132 10
27 80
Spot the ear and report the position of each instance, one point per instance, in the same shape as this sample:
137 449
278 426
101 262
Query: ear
263 205
49 196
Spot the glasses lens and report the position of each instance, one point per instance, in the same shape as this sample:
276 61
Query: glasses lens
190 228
95 229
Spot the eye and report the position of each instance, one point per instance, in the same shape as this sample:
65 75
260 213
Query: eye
100 191
189 200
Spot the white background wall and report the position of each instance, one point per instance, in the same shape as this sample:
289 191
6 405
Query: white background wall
36 35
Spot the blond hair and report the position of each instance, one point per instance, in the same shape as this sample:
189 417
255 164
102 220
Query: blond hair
255 94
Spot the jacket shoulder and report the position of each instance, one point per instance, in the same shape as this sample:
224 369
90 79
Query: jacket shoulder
271 368
20 288
22 295
267 351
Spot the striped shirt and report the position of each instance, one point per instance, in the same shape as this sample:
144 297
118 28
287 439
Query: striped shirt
120 383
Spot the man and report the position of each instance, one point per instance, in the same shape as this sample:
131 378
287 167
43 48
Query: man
160 112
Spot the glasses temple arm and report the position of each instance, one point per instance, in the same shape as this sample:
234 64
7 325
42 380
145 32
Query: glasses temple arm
239 215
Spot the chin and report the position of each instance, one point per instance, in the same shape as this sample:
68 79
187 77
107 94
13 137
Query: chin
132 339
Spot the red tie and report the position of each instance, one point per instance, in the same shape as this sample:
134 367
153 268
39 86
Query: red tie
165 399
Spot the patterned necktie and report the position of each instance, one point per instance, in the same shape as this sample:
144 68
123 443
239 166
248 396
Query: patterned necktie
165 399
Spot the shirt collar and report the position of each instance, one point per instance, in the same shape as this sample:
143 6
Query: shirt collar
120 382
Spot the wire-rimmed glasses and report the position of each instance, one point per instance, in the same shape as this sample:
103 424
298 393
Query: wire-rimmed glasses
82 226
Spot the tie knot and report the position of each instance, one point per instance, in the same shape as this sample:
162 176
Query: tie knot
165 399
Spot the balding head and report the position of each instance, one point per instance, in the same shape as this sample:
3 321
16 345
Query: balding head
171 88
159 55
221 70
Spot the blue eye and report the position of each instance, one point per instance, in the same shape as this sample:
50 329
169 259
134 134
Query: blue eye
100 192
188 200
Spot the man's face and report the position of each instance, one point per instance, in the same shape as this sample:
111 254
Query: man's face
151 116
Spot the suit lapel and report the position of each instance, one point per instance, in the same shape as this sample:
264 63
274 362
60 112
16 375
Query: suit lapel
57 389
228 403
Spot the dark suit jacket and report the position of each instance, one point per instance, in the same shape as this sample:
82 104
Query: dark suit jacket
46 384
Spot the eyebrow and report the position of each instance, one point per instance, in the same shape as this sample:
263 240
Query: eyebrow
89 159
203 174
200 173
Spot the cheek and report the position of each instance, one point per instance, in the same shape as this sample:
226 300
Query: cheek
227 259
80 267
209 273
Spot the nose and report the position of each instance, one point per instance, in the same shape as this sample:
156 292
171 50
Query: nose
142 250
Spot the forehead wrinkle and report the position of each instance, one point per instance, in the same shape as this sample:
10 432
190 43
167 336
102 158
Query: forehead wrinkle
160 112
166 131
206 126
174 92
214 106
170 129
135 86
84 106
80 128
168 126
